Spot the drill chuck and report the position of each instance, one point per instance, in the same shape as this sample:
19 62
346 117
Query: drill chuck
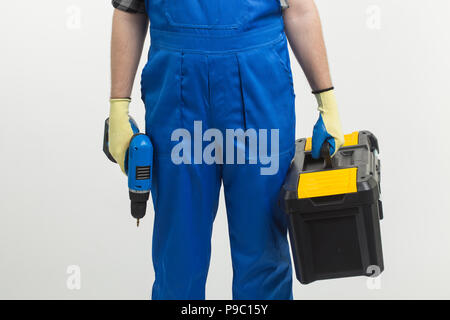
138 203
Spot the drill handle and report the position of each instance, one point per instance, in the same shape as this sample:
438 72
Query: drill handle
325 153
135 129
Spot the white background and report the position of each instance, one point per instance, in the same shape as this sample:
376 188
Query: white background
63 203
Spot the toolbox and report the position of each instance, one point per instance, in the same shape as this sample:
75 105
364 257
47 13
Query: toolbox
334 210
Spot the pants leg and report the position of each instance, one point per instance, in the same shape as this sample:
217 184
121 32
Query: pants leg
185 199
259 94
185 196
258 232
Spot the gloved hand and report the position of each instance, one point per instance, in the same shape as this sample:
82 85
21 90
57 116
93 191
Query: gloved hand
120 131
328 127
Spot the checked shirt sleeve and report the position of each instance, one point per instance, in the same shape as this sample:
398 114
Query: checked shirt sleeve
131 6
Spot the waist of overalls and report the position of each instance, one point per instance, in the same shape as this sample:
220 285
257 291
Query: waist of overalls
216 43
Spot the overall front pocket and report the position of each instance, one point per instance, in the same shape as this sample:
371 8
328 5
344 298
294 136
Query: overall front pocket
268 94
161 93
206 14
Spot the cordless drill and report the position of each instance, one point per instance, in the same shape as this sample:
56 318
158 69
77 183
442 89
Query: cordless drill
138 167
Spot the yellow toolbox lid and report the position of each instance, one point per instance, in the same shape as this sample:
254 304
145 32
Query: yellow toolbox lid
327 183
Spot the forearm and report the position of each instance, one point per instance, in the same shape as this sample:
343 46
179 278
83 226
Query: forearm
128 36
304 32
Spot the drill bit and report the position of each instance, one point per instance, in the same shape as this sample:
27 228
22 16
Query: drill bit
138 223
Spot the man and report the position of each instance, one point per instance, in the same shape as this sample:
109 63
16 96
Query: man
224 63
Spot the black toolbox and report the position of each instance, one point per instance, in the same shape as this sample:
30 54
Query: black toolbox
334 211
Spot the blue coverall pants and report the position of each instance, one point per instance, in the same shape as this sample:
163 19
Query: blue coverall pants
224 63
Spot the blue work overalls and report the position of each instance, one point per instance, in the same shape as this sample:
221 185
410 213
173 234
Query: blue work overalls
224 63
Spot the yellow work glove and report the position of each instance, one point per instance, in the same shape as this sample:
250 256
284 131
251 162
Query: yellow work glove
120 131
328 127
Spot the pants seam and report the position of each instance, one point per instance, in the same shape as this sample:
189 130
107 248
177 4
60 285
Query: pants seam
181 105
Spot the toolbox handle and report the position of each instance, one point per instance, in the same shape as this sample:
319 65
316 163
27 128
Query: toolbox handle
325 153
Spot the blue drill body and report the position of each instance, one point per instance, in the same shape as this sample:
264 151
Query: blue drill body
139 170
140 155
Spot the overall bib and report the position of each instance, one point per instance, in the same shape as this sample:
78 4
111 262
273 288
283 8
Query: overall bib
224 63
